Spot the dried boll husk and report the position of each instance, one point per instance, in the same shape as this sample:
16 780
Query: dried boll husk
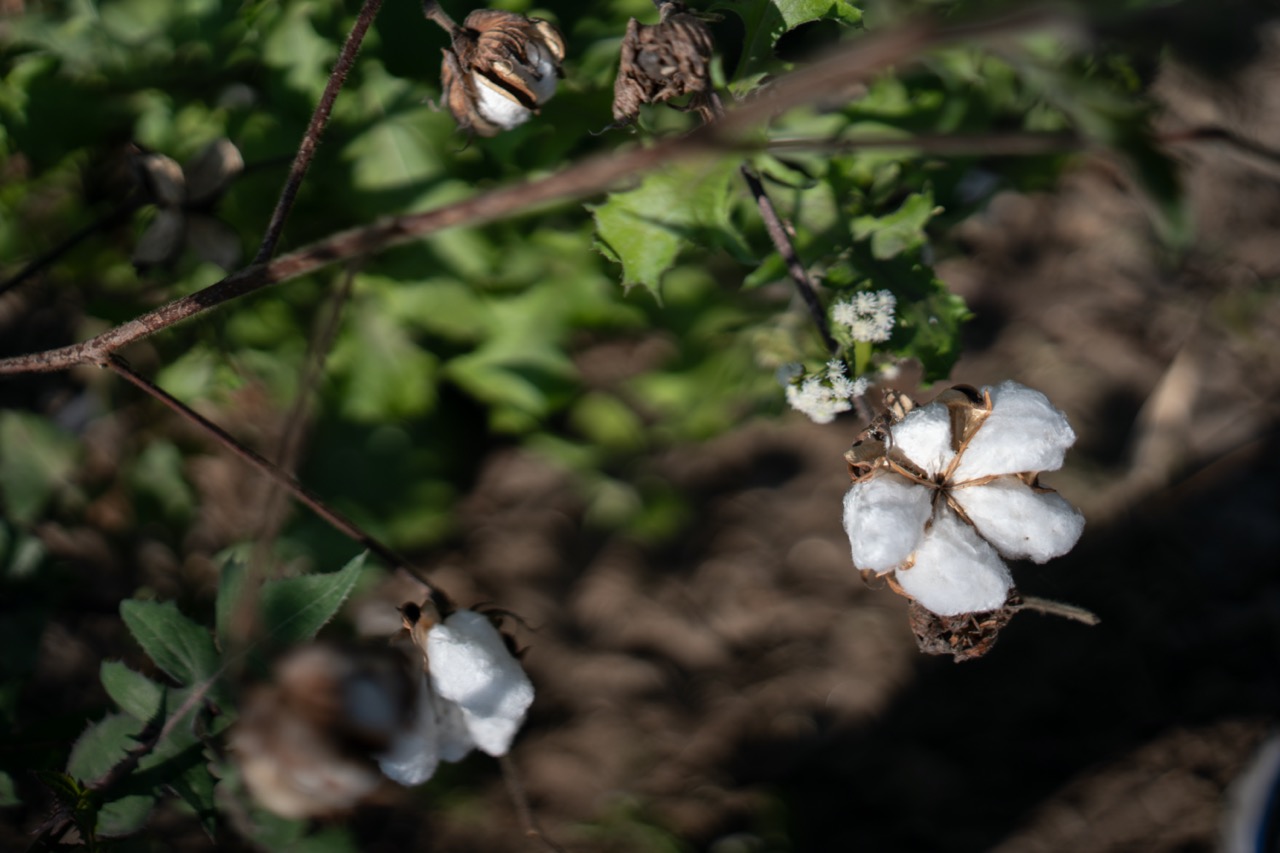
304 742
499 69
663 61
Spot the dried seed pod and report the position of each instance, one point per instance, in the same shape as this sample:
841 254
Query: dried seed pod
500 68
968 636
304 743
663 61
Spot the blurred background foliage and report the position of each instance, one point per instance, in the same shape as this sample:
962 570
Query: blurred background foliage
592 334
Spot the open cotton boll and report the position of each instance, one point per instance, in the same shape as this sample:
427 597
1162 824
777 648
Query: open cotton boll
1024 432
955 571
453 739
472 667
1021 522
496 106
415 751
924 436
884 517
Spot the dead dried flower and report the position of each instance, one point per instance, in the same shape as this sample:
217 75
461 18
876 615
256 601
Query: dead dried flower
663 61
499 69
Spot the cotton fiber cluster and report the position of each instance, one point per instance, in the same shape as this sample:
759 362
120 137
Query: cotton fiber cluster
473 694
955 493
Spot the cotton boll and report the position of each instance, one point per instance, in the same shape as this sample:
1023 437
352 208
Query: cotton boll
924 436
453 739
415 751
1021 522
498 107
471 666
884 517
955 571
1024 432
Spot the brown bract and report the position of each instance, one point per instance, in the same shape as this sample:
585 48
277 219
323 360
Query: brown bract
663 61
515 56
968 636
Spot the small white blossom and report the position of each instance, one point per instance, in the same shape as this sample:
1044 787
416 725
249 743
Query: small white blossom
867 316
956 494
824 395
473 694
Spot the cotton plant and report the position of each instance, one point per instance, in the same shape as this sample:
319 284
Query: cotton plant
944 494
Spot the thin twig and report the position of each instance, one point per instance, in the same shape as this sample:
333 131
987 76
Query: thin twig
335 519
432 11
1049 607
110 219
815 82
272 507
1017 144
780 234
311 139
520 799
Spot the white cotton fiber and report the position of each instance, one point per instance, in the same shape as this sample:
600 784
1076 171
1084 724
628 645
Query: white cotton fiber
1021 522
499 107
453 740
924 436
414 752
884 517
955 571
471 666
1024 432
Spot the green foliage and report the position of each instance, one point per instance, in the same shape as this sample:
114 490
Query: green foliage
36 459
644 229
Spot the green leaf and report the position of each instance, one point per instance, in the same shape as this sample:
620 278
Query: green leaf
230 587
36 458
158 473
8 793
645 228
767 20
137 695
72 797
384 373
180 647
295 47
294 609
102 746
898 232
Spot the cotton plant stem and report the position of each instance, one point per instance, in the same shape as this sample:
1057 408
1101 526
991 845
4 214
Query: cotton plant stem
520 799
856 61
311 139
1049 607
274 503
304 495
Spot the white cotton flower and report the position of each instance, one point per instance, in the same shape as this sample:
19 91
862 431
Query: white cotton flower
473 695
867 316
824 395
942 515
